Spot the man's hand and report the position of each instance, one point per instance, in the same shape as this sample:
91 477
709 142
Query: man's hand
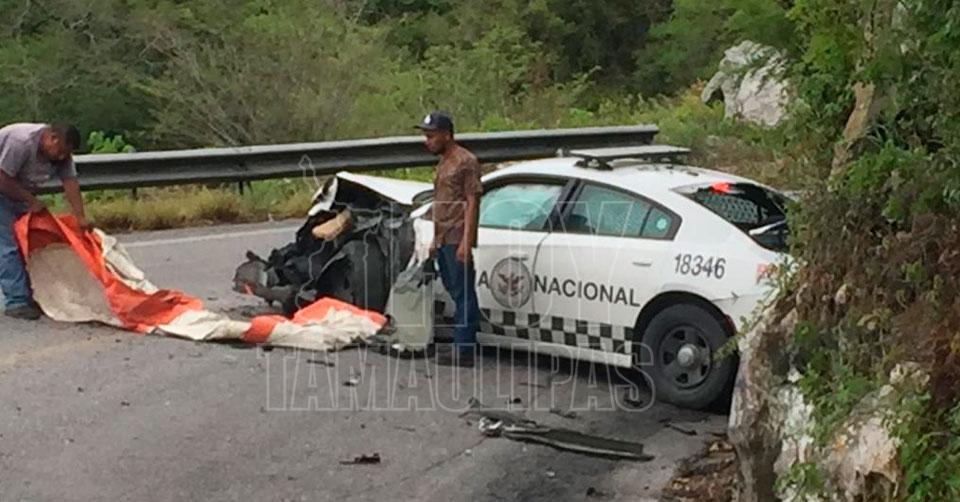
463 252
36 206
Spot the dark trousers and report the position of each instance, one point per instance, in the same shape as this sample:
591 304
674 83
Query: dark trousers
14 281
458 279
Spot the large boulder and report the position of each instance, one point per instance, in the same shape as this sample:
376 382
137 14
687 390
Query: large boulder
751 82
756 422
772 423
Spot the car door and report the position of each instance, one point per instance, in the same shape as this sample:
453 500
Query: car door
513 222
600 265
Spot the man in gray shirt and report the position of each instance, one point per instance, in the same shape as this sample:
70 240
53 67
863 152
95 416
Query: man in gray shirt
31 155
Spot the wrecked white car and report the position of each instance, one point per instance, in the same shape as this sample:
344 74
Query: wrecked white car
357 238
610 256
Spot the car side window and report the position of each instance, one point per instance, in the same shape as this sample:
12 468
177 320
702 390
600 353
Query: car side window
658 225
519 206
602 211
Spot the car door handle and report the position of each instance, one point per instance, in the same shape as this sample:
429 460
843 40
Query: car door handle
643 264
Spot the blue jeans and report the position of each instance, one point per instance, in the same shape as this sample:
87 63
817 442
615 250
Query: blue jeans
458 279
13 275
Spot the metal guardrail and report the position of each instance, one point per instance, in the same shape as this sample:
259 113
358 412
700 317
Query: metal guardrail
211 165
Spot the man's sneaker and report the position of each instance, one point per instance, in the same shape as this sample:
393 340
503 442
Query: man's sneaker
26 312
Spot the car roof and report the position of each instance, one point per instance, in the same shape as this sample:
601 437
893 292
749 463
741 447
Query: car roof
639 176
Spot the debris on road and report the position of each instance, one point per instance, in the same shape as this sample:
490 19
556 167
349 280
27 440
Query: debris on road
534 385
633 403
496 423
596 493
353 380
669 425
320 362
503 417
363 460
571 415
550 474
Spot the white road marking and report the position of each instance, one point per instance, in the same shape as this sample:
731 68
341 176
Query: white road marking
204 238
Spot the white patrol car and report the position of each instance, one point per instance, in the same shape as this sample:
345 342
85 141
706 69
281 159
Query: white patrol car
614 256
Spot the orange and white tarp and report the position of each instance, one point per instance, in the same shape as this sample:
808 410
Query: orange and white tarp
88 277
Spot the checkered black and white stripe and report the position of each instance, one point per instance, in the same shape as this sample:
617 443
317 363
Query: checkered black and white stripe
550 329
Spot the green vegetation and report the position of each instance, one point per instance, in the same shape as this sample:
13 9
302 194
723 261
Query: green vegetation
164 74
175 207
881 226
169 74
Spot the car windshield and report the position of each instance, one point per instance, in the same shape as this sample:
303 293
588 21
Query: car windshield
757 211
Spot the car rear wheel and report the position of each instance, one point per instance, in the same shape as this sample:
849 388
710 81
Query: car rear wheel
684 340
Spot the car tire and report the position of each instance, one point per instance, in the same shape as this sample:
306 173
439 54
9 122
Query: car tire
684 340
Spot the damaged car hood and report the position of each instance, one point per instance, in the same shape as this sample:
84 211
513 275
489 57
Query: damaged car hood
402 192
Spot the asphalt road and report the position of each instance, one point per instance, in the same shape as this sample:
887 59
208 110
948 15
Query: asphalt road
92 413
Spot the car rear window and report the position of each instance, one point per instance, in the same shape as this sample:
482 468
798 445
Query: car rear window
754 209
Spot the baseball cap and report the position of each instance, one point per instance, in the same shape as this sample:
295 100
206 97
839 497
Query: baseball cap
436 121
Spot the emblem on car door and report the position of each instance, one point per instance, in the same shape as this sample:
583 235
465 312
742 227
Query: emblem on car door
510 282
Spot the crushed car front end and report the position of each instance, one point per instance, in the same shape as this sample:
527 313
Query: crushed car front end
357 238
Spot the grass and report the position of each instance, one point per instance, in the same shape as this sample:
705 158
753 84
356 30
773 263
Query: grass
176 207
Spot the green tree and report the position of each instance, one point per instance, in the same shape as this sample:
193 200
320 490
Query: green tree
281 72
688 45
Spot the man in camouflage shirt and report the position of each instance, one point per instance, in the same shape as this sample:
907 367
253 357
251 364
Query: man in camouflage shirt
456 202
31 155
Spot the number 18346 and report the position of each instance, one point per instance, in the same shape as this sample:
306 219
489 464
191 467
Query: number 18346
699 265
